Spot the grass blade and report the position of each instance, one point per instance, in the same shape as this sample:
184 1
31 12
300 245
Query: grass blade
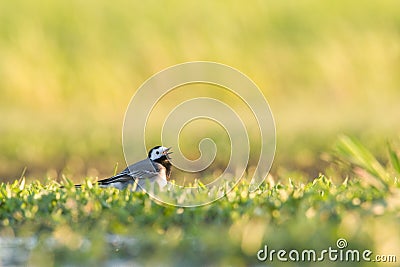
394 159
353 151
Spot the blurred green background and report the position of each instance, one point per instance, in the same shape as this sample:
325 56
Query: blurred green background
69 68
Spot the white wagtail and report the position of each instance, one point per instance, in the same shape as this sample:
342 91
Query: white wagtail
156 168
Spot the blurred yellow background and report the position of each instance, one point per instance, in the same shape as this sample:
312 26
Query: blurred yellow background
69 68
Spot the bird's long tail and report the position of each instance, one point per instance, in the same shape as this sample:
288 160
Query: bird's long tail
76 186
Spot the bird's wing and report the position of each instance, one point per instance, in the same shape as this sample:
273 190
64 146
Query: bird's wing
142 169
121 177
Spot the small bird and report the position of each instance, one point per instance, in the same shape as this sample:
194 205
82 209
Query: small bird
156 168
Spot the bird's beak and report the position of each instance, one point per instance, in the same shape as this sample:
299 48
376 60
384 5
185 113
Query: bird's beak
167 152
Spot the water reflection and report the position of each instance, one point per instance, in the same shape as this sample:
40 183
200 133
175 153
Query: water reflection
17 251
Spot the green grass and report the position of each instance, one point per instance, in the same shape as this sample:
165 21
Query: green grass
91 226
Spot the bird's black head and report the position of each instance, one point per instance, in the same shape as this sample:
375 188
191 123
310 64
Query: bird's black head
159 154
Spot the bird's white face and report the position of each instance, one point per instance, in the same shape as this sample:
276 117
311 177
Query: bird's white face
158 152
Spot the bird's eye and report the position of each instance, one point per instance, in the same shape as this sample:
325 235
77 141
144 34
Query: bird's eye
157 152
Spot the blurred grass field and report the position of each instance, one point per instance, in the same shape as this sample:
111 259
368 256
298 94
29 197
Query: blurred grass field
69 69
